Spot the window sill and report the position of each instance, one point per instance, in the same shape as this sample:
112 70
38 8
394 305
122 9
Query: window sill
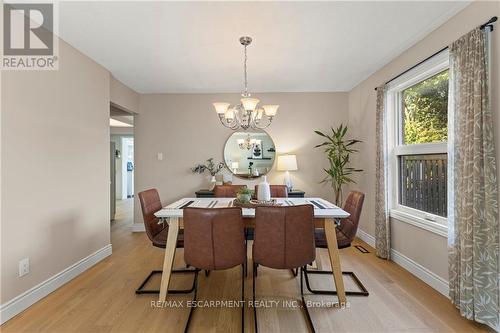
419 222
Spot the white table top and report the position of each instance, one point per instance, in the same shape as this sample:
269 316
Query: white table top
327 209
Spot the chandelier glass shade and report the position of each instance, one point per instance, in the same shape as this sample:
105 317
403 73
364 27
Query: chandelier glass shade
247 114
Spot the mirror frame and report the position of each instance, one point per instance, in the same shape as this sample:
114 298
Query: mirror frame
248 176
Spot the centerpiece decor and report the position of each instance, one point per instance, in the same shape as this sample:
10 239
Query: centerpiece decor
244 200
244 195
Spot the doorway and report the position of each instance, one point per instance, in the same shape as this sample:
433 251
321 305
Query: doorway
121 165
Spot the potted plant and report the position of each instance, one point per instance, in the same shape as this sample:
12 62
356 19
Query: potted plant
211 167
244 195
338 150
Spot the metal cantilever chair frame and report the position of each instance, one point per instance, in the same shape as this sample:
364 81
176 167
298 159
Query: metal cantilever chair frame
141 289
363 291
216 222
191 311
304 304
150 202
302 252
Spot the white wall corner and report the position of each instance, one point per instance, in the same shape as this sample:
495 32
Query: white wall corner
33 295
138 227
424 274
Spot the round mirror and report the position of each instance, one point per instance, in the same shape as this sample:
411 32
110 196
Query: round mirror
249 154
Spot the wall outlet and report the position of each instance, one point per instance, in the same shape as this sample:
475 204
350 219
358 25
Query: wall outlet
24 266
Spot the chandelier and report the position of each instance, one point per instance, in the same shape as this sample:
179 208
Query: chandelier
248 143
246 114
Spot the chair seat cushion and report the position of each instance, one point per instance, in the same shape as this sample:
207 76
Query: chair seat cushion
320 239
160 239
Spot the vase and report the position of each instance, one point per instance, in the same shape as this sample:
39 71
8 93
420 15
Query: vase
264 190
213 182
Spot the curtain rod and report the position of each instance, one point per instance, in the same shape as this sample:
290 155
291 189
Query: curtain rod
482 27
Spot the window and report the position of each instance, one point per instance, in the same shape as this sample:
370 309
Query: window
417 136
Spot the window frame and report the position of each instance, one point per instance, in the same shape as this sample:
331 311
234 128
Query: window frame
396 148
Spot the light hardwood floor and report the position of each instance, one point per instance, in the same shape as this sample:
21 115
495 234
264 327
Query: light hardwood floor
103 299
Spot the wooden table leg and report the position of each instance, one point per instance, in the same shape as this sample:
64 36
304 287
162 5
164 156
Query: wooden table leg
173 231
333 251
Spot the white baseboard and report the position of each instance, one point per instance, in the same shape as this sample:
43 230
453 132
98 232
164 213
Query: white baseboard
366 237
138 227
424 274
33 295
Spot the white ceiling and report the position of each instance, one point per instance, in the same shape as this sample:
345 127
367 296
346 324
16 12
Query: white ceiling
192 47
121 121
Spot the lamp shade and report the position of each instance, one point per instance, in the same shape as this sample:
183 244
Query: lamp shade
249 104
221 107
287 163
270 110
229 114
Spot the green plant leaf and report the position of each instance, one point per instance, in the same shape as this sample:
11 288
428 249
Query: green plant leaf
338 151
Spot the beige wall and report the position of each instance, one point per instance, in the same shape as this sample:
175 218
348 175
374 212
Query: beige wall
186 129
55 168
122 96
427 249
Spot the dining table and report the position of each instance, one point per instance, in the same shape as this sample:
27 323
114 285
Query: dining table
326 215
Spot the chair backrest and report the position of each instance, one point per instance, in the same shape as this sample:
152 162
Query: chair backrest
227 191
353 205
284 236
277 191
214 238
150 204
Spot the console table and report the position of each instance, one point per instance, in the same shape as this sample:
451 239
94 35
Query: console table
210 194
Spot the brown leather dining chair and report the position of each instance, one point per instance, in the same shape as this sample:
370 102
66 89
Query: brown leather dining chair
227 191
157 234
284 239
277 191
346 232
214 240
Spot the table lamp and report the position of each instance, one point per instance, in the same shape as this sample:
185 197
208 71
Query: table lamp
234 166
287 163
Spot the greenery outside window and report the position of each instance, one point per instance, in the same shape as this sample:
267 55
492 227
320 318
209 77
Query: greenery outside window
425 110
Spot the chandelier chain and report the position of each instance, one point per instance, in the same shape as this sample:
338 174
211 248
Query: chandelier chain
245 71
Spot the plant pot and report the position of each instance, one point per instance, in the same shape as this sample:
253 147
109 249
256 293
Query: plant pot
244 198
213 182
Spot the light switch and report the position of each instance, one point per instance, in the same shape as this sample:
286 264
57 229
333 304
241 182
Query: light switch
160 156
24 266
